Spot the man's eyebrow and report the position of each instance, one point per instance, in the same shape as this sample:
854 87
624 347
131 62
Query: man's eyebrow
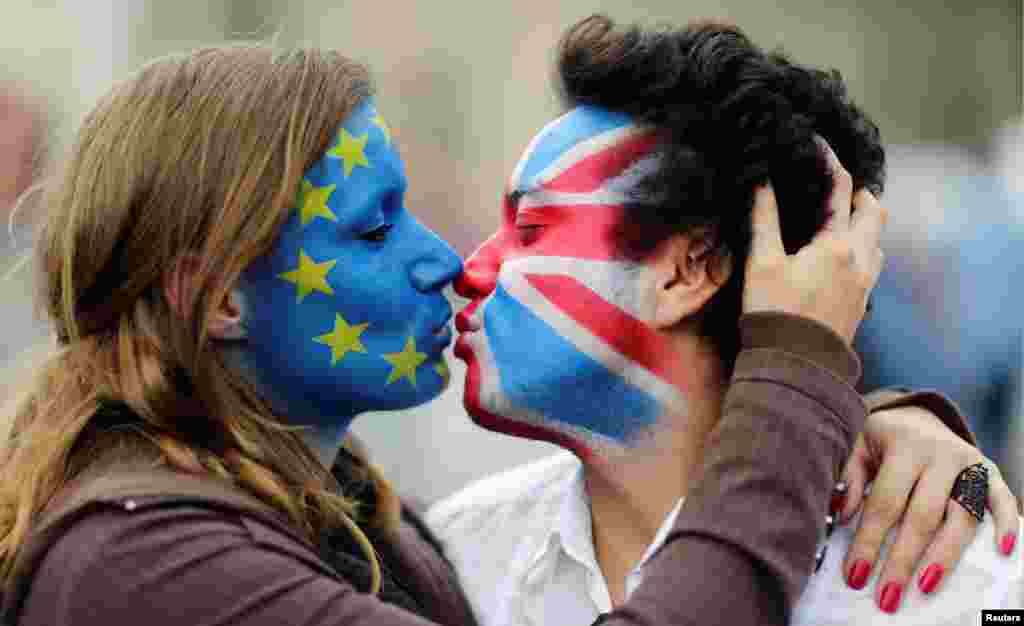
512 198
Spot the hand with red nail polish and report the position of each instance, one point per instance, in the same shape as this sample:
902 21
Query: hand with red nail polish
912 459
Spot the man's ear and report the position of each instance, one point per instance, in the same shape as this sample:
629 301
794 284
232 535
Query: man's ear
689 270
228 320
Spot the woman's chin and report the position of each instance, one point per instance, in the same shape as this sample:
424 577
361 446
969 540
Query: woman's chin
419 397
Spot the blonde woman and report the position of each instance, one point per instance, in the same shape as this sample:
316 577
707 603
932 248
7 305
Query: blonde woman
233 276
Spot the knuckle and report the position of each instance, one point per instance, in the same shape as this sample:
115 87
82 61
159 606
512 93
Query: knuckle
967 455
920 525
882 514
867 545
842 252
842 178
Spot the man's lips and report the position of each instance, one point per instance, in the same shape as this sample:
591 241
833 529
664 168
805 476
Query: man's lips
465 321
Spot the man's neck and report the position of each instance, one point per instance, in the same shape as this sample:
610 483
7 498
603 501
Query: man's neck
632 491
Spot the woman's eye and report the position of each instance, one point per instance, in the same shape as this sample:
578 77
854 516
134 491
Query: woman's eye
377 234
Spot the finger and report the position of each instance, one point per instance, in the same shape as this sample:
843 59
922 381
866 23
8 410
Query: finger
839 200
882 509
942 556
868 220
856 476
1003 505
764 222
917 530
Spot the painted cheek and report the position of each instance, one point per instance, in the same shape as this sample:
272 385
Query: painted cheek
557 375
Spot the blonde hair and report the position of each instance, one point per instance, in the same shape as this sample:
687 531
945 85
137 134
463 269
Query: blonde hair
198 155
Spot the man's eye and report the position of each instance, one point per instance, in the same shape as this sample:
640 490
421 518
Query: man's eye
377 234
528 233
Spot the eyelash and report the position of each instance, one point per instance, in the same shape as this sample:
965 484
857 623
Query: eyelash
378 234
528 233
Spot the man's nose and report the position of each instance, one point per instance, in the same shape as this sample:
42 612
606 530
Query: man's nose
481 272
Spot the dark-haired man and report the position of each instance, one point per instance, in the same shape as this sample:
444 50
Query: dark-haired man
606 319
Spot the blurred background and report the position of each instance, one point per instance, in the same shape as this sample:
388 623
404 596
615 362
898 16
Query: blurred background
466 84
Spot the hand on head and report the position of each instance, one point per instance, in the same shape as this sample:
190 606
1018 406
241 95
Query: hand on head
829 279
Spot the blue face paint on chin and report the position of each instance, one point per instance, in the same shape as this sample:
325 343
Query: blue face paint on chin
345 314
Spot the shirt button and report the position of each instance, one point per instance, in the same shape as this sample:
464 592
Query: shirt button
129 505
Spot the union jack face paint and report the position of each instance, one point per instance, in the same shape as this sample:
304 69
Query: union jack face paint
557 338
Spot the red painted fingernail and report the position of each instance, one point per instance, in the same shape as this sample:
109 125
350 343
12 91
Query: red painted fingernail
891 595
1006 545
859 574
930 578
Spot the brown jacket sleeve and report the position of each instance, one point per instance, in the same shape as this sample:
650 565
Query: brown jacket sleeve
740 552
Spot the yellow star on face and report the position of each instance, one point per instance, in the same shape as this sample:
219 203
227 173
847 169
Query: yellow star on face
404 363
309 276
350 150
313 202
383 126
343 339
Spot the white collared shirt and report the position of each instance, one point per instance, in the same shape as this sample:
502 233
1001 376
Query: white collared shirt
521 541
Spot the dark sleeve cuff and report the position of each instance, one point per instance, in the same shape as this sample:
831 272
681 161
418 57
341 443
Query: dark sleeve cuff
930 400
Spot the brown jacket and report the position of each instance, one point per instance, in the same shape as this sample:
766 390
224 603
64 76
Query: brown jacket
157 547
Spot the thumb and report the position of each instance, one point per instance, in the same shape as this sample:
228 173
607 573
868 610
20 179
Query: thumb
764 225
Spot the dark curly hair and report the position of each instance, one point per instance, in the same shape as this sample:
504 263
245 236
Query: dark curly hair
731 117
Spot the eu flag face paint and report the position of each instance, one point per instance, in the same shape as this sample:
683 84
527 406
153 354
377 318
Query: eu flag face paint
557 338
345 314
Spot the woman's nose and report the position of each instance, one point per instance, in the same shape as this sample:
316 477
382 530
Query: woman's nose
481 272
438 267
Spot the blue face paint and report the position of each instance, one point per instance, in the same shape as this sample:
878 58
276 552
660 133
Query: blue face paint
346 315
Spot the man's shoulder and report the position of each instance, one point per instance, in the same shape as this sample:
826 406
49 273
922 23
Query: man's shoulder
491 528
983 579
498 499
